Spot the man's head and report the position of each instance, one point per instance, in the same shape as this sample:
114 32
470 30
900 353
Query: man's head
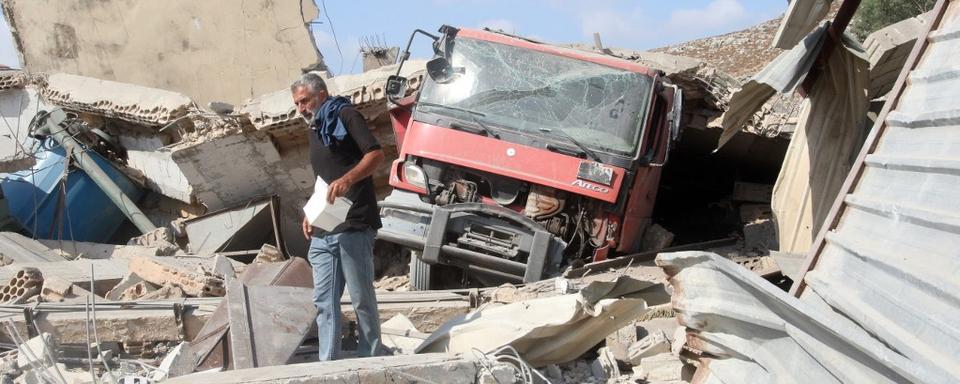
309 92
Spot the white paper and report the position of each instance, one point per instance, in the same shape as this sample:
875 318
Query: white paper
323 215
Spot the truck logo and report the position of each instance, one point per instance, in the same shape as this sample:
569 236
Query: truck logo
590 186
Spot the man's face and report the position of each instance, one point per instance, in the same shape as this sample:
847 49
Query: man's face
307 102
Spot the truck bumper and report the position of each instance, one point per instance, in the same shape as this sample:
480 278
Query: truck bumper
477 237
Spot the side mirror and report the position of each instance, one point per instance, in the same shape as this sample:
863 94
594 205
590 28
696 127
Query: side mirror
440 70
396 86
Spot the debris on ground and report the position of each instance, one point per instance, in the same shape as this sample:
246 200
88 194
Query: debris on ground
150 223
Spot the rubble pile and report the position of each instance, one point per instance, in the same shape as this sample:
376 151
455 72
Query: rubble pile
214 287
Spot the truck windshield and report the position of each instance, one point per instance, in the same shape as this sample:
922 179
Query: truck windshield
525 90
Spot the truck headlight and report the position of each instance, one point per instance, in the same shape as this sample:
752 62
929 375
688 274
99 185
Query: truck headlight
413 174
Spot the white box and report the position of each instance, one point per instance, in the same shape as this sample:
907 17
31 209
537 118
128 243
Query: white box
323 215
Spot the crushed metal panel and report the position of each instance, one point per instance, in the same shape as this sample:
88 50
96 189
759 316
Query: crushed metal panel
751 331
801 17
219 50
210 347
832 127
267 324
782 75
246 227
887 258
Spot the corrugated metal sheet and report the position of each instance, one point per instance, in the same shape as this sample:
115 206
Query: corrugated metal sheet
889 258
880 300
801 17
748 331
782 75
830 131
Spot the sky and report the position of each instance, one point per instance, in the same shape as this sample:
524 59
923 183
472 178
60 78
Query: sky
637 24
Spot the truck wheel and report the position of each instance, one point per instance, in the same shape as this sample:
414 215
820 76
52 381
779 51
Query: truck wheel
420 275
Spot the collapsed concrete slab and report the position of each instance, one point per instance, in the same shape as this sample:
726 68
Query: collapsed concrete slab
276 111
124 101
184 273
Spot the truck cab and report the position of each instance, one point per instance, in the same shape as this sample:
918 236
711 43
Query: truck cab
518 159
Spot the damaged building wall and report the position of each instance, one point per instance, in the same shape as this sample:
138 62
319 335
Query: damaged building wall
209 50
18 103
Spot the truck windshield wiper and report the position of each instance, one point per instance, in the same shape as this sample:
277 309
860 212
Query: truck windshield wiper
480 127
591 154
452 108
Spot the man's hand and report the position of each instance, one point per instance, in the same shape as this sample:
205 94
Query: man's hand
307 228
337 188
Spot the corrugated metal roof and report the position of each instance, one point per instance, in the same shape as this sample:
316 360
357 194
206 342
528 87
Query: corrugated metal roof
748 331
782 75
880 300
801 17
889 256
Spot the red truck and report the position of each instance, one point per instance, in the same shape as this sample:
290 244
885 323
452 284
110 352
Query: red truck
518 159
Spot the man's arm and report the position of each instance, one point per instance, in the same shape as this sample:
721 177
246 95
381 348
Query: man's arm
369 163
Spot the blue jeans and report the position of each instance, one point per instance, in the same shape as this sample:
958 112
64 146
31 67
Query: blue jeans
345 257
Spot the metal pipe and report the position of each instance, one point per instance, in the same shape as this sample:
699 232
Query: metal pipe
477 258
52 128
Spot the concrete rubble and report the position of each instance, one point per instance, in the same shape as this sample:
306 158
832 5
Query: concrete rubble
219 291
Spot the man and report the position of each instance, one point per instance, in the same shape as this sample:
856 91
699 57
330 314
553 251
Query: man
344 153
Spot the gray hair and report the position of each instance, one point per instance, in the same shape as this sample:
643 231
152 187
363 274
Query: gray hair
311 81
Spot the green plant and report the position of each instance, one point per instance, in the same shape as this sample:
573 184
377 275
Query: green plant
875 14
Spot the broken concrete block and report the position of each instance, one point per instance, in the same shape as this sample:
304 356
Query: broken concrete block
160 238
654 344
269 254
223 268
619 341
165 292
178 362
127 282
656 237
55 289
107 272
23 286
760 235
35 353
605 367
164 270
498 374
400 336
137 291
663 367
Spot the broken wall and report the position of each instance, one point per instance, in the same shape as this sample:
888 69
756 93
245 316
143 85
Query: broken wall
209 50
18 105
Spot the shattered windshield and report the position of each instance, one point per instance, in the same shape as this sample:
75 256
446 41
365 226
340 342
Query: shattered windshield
525 90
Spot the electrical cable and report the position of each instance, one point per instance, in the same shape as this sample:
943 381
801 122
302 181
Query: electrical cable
323 3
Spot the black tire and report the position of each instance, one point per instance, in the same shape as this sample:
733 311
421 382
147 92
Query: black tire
420 273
